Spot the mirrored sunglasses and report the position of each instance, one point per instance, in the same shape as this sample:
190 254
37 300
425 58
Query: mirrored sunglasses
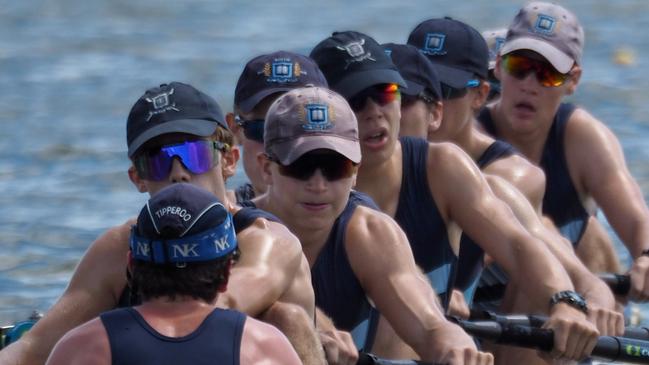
197 156
520 66
381 94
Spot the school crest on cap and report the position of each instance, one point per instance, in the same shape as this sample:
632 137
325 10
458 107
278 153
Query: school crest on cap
434 44
356 51
544 24
161 103
282 70
317 117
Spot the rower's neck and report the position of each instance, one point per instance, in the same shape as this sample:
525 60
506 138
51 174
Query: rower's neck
472 141
382 181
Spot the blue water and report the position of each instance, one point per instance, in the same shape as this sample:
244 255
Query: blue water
71 69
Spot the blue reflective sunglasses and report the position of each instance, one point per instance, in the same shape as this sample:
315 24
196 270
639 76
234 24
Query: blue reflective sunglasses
453 93
252 129
197 156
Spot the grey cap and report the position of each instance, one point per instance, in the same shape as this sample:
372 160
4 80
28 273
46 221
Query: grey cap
550 30
308 119
495 40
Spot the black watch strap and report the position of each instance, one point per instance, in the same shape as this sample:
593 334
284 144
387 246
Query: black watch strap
571 298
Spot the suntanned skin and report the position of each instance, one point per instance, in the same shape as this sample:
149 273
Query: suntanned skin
464 199
381 258
179 317
459 126
523 117
272 272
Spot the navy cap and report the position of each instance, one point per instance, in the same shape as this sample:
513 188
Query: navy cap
353 61
172 108
182 223
268 74
458 50
415 68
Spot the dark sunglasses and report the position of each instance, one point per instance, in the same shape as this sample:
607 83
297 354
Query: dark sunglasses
333 166
520 66
449 93
197 156
252 129
408 100
381 94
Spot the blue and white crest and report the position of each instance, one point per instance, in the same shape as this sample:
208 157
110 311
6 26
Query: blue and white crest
282 70
317 118
544 24
161 103
434 44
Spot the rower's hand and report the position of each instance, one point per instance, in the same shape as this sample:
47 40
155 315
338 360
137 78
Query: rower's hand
457 306
339 347
453 346
574 336
640 280
603 309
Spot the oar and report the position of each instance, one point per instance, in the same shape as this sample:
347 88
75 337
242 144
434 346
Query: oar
619 284
532 320
365 358
610 348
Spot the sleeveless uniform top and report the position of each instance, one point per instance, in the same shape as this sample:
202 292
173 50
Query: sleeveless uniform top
471 258
338 293
418 216
561 201
240 220
133 341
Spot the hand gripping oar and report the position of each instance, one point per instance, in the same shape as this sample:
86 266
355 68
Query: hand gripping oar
532 320
610 348
371 359
619 284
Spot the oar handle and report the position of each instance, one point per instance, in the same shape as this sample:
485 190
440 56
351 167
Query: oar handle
619 284
371 359
629 350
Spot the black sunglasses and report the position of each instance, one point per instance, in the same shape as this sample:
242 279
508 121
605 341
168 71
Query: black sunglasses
252 129
333 166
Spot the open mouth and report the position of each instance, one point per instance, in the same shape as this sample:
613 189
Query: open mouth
376 139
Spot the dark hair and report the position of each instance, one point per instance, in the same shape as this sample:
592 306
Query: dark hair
199 280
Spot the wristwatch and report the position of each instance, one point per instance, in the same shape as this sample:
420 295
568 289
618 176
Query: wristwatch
571 298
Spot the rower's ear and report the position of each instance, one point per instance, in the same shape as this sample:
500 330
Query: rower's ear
137 180
265 164
574 80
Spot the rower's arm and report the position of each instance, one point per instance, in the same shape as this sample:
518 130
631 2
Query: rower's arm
271 258
94 288
382 260
595 153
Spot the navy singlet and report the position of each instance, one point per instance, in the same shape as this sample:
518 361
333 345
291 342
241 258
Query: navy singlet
418 216
561 201
471 258
240 220
133 341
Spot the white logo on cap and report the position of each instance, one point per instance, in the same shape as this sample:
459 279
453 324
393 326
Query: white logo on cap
161 103
317 118
185 250
356 51
434 44
179 211
544 24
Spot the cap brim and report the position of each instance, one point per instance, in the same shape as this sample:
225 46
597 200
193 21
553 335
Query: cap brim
249 104
289 151
561 61
358 81
196 127
453 77
413 88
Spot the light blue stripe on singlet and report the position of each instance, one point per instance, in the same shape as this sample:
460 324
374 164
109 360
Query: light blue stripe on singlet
470 292
573 230
359 334
439 278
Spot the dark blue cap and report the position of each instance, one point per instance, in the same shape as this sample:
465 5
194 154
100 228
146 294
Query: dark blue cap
183 223
457 50
415 68
268 74
172 108
353 61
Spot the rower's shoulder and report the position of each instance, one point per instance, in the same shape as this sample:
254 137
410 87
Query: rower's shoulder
262 229
91 337
586 135
522 174
370 226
